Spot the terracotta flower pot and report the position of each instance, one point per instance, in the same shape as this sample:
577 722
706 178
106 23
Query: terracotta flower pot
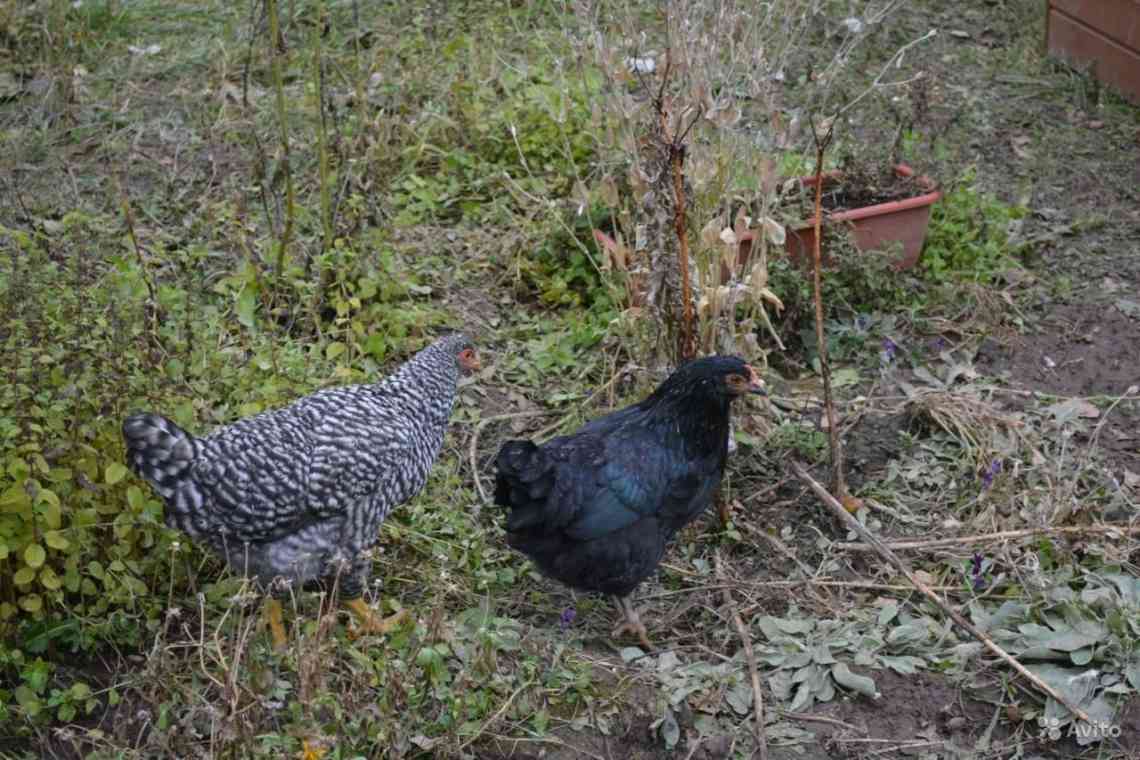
875 227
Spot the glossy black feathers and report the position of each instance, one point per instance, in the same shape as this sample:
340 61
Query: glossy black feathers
595 509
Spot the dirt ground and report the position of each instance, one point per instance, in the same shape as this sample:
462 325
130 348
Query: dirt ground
1044 142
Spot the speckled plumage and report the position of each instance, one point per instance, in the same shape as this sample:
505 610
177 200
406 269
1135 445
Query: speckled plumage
295 492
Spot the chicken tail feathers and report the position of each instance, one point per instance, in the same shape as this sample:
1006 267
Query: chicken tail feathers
158 451
525 478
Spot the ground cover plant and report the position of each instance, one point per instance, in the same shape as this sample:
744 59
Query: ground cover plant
210 209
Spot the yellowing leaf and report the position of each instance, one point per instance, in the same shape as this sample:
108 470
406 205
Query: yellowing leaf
49 580
770 297
24 576
31 602
34 555
115 472
28 700
14 498
55 540
608 192
52 513
334 350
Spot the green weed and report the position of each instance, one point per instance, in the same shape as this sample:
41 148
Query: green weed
970 234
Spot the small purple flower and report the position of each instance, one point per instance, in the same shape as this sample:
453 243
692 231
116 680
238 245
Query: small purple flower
976 572
938 345
862 322
889 348
990 472
567 618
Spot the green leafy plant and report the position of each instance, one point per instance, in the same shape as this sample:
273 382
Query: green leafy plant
970 234
810 656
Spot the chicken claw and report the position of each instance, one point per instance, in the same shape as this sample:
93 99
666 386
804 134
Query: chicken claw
632 624
634 629
370 623
724 510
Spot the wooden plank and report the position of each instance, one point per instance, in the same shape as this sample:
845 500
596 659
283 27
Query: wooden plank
1118 20
1113 64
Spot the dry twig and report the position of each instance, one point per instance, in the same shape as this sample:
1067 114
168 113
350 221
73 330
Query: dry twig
809 718
1112 531
822 141
750 658
851 523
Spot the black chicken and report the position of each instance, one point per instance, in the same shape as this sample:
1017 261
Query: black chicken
595 509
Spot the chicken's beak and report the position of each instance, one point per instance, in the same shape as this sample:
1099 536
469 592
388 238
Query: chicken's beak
474 364
755 383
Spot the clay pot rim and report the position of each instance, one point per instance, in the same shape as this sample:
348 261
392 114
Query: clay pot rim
902 170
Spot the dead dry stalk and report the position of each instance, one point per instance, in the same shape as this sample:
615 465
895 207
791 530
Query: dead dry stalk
851 523
687 349
276 50
1112 531
839 484
675 137
750 658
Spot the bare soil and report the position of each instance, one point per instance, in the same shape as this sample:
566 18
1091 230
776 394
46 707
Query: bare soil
1079 350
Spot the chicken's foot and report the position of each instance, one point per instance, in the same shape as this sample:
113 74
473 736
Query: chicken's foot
370 622
723 509
632 623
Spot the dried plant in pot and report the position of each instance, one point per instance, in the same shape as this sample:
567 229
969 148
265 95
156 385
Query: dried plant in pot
890 211
886 212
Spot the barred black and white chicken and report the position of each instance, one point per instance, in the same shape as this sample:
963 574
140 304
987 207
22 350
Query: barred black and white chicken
596 509
299 493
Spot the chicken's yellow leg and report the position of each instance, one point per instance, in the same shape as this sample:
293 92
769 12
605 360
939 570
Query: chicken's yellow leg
632 623
369 621
276 626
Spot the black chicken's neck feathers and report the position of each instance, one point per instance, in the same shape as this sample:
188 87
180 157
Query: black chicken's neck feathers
695 399
700 413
